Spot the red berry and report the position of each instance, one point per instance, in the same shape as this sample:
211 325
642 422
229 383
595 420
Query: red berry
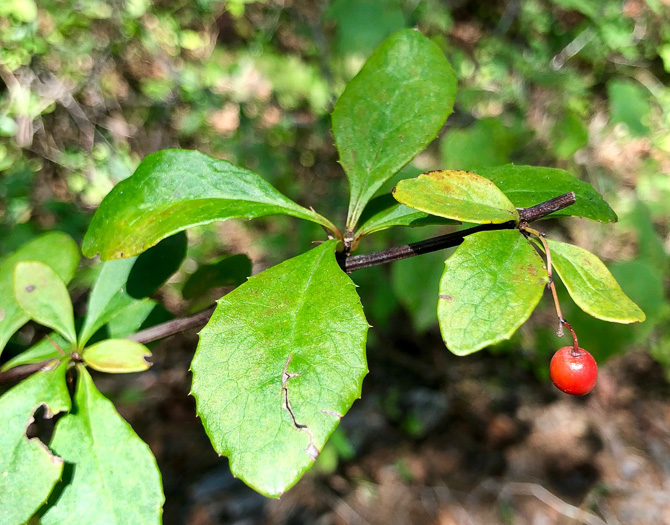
573 372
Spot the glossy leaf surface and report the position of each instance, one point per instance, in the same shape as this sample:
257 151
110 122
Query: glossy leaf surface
280 362
117 356
115 478
56 249
43 296
385 212
591 285
526 186
390 112
458 195
489 287
28 470
172 190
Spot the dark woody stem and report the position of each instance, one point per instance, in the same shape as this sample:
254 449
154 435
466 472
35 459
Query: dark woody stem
348 264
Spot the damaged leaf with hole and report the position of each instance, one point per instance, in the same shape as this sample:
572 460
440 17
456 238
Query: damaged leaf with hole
28 469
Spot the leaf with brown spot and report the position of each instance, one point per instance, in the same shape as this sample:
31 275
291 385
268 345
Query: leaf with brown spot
492 292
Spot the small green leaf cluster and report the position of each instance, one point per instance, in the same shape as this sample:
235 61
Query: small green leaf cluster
95 464
282 358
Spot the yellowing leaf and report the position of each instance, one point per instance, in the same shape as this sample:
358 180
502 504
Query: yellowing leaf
458 195
591 285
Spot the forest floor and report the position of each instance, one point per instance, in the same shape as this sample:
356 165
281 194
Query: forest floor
513 452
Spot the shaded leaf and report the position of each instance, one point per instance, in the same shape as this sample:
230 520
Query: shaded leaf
108 297
355 34
390 112
487 142
121 283
527 186
229 270
115 478
591 285
279 363
489 287
385 212
45 349
172 190
56 249
414 282
138 316
43 296
458 195
155 266
117 356
28 469
568 136
629 105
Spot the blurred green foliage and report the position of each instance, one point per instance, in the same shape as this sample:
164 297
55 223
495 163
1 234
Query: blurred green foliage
89 88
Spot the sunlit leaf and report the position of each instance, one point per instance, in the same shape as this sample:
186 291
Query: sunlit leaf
390 112
56 249
28 469
489 287
458 195
591 285
117 356
114 477
172 190
43 296
280 362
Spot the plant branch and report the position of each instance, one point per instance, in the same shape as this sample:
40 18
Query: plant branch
349 264
526 215
173 327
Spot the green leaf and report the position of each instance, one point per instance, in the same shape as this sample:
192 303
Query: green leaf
28 469
137 316
117 356
568 136
526 186
41 351
228 270
279 363
43 296
629 105
56 249
489 287
114 478
385 212
390 112
172 190
458 195
121 283
155 266
487 142
591 285
108 297
355 33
